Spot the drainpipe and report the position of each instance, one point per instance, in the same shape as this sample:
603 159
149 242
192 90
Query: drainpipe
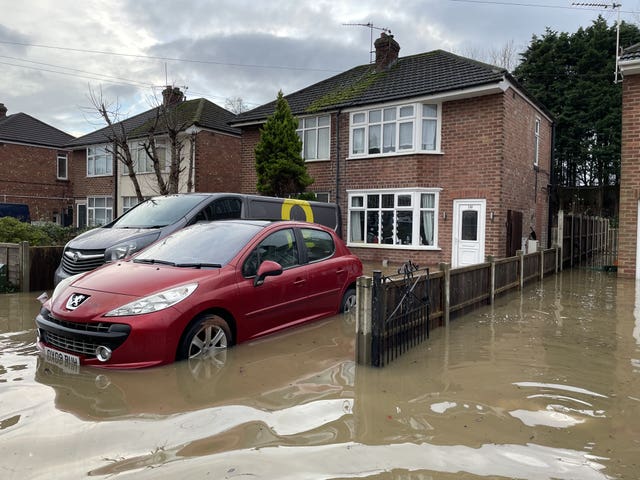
338 170
552 190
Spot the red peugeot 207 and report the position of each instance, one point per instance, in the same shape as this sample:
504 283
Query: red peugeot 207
197 291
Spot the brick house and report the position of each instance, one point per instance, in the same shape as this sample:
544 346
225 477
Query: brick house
210 157
629 164
34 166
431 157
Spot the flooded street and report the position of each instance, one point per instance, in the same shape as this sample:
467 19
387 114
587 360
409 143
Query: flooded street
543 385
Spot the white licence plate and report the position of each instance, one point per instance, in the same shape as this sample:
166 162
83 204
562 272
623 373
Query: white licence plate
69 363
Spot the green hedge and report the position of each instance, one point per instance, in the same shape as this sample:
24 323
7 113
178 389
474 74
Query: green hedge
15 231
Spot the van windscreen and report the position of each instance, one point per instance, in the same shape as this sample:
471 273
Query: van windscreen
158 212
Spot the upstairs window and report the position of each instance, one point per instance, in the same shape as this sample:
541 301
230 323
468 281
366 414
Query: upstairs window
315 135
99 161
142 163
392 130
62 167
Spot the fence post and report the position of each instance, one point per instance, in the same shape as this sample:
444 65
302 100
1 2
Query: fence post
492 294
446 291
557 251
542 264
520 255
25 267
376 319
363 320
560 239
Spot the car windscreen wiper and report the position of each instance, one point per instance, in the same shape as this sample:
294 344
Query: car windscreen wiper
153 261
199 265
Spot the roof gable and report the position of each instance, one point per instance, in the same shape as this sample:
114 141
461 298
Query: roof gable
413 76
198 112
23 128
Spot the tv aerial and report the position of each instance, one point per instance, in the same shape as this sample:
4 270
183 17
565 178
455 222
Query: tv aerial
371 28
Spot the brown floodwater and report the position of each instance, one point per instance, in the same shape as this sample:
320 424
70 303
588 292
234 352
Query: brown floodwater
545 384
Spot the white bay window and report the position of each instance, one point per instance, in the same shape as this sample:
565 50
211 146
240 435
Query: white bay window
412 128
405 218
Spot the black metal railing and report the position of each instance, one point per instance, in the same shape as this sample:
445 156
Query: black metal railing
400 312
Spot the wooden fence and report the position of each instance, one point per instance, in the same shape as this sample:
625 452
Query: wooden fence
29 268
453 292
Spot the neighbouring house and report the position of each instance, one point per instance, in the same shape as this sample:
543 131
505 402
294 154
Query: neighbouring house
432 157
35 167
210 157
629 225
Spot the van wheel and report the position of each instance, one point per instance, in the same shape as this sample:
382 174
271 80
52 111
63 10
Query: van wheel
348 300
207 336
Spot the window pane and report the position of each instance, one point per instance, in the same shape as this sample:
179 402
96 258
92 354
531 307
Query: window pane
404 200
359 117
319 244
388 200
357 201
300 124
375 116
373 201
406 111
310 144
389 137
323 143
372 227
357 226
389 114
428 200
404 228
469 225
310 122
387 228
426 227
358 141
406 136
428 134
323 121
430 111
374 139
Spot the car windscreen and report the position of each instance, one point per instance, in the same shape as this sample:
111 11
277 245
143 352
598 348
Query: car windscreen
202 245
158 212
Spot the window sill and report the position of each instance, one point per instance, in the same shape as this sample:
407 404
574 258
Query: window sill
100 176
394 154
385 246
317 160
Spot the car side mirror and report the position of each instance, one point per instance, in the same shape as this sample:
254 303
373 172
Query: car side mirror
268 268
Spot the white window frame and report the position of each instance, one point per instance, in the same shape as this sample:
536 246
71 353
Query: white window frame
415 207
536 144
308 126
139 157
92 208
364 124
100 153
65 158
128 203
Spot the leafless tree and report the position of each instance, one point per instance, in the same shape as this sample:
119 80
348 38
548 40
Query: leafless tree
505 56
235 105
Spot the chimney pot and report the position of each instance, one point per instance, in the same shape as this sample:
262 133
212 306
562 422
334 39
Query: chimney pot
3 110
387 50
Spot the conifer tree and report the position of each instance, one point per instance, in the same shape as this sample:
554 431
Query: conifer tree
279 164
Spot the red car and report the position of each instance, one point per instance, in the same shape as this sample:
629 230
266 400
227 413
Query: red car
197 291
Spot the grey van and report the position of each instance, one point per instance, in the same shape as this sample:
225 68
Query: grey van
159 216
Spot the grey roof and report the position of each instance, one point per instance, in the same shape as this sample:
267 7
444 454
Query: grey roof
631 53
416 75
23 128
198 112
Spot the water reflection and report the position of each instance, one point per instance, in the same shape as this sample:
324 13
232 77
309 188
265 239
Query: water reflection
542 385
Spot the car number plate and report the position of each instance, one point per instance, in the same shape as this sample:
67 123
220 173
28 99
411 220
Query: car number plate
69 363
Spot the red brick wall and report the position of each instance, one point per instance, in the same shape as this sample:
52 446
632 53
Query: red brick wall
217 161
84 186
29 176
629 176
482 141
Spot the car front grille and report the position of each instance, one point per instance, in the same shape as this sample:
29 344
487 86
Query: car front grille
80 338
76 261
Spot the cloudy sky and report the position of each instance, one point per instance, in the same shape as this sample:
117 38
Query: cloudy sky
54 52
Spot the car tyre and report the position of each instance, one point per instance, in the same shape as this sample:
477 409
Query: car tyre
207 336
348 303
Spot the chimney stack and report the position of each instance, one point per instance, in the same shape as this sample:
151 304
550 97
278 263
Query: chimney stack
3 111
171 96
387 50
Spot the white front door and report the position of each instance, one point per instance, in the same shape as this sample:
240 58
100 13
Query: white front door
468 232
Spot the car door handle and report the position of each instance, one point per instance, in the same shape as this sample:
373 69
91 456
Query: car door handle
340 270
299 281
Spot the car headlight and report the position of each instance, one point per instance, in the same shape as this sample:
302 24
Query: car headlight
124 249
154 303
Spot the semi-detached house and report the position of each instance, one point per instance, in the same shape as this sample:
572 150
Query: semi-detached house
210 158
431 157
